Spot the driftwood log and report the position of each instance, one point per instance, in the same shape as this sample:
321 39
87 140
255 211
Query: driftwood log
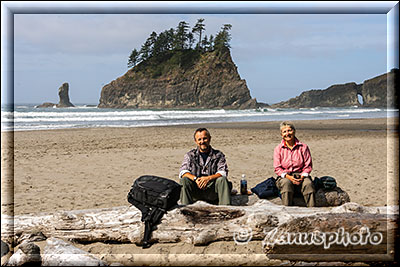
28 253
202 223
60 253
56 253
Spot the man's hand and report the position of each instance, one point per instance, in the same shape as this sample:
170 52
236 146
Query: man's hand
203 181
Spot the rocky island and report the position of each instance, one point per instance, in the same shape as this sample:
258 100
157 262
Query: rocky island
211 81
379 92
172 74
64 102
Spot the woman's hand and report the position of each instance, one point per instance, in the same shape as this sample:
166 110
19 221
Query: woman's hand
295 181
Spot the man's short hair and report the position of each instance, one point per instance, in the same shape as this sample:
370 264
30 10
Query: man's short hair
287 123
201 130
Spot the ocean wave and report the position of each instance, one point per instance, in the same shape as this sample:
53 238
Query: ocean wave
29 118
102 113
82 119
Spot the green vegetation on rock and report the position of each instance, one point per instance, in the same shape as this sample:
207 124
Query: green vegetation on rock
174 48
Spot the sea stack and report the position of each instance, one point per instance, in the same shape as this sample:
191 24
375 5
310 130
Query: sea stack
64 96
63 93
181 79
377 92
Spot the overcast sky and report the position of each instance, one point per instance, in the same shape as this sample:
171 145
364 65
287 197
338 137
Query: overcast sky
279 55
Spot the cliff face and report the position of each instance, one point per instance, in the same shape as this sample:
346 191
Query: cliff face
335 96
376 92
210 80
380 91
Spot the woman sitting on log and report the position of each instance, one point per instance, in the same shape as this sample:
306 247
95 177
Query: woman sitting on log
293 165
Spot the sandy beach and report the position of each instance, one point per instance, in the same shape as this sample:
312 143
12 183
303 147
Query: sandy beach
95 168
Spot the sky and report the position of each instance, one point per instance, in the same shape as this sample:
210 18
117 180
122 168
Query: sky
279 55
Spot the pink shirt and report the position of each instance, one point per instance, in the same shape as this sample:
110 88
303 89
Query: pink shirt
297 159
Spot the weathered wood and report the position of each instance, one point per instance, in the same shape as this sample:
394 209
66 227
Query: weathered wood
113 224
355 233
6 253
349 233
60 253
28 253
4 248
57 252
202 223
198 224
123 224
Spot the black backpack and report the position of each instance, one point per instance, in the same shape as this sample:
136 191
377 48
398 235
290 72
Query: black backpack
325 182
153 196
266 189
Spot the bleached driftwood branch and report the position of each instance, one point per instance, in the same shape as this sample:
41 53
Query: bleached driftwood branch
56 253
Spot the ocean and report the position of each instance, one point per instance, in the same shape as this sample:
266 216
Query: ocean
25 117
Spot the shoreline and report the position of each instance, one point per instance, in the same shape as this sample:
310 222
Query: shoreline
374 124
116 118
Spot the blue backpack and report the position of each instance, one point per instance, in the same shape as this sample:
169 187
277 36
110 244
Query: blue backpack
266 189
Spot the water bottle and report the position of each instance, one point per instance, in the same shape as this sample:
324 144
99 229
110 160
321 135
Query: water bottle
243 185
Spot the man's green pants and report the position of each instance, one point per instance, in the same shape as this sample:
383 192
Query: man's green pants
217 191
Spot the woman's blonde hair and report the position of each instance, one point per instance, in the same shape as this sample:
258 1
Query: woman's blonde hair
287 123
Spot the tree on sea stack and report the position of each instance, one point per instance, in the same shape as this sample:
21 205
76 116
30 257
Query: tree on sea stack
145 50
198 29
223 37
181 36
170 42
133 58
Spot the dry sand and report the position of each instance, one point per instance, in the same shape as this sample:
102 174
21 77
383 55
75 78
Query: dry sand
47 171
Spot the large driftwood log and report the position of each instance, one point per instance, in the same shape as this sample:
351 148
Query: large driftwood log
198 224
123 224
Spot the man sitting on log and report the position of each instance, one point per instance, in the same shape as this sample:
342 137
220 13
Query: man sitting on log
204 172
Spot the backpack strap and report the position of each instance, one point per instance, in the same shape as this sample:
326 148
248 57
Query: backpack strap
147 234
140 206
151 219
147 218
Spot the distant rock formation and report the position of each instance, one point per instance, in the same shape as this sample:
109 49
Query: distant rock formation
46 105
377 92
335 96
207 80
63 93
